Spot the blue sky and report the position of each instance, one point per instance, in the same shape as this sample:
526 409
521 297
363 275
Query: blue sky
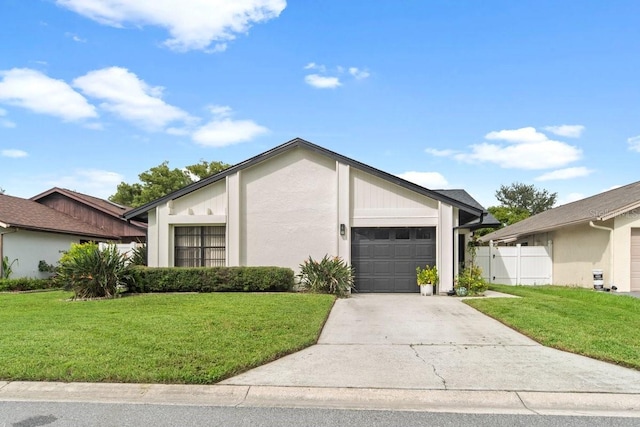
449 94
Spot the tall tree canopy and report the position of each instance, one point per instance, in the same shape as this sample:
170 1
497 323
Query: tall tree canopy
523 197
517 202
161 180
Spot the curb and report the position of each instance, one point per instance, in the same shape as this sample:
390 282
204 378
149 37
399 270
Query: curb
458 401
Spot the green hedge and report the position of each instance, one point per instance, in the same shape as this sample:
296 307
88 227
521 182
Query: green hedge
214 279
25 284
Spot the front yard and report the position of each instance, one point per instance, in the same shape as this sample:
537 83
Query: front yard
595 324
153 338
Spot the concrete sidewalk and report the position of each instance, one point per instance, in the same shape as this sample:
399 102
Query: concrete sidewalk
396 352
476 402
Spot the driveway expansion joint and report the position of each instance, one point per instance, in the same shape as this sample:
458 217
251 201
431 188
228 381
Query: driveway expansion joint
244 398
525 405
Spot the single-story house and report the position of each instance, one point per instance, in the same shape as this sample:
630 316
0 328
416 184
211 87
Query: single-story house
31 232
601 232
299 200
98 212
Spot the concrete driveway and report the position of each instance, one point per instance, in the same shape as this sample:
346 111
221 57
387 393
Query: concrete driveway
396 341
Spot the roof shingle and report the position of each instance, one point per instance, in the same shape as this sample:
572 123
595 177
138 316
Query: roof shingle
27 214
600 207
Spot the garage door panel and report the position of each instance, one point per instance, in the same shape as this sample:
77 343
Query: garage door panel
385 259
425 251
382 267
404 251
381 251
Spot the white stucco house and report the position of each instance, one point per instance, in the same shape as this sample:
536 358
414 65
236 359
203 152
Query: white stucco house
299 200
601 232
31 232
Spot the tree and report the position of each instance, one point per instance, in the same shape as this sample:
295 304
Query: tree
161 180
518 202
520 198
508 216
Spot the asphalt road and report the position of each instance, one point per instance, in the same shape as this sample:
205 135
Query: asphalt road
36 414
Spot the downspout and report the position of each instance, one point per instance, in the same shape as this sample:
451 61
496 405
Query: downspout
611 248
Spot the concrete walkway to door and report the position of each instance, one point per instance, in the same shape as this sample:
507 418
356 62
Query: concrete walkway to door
396 341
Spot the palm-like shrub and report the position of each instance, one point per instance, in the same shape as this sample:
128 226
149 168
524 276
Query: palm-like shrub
330 275
94 273
138 255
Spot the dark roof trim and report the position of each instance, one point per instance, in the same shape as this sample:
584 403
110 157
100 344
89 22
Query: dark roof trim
60 231
298 142
86 201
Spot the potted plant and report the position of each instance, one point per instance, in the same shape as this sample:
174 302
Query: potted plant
427 279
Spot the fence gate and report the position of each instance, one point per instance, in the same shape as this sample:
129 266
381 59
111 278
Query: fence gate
516 265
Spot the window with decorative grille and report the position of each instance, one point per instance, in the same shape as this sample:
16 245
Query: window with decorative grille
201 246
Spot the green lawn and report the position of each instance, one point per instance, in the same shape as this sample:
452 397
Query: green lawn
153 338
596 324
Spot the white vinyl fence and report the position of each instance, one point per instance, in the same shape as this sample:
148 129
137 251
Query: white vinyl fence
516 265
123 248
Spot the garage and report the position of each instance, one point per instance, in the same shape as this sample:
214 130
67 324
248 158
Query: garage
385 259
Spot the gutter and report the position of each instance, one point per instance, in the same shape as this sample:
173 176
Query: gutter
611 248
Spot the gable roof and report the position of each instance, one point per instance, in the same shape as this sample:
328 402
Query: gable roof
105 206
487 220
27 214
600 207
294 143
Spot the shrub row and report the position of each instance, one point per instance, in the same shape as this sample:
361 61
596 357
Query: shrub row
25 284
211 279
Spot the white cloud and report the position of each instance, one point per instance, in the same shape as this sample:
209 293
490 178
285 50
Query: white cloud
130 98
193 24
75 38
314 66
322 82
31 89
440 153
634 143
425 179
358 73
222 130
526 149
569 131
567 173
522 135
13 153
96 182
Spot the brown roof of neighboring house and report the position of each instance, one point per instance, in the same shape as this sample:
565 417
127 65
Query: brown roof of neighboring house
600 207
24 213
106 206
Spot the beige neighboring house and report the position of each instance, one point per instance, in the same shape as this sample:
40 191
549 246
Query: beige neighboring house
599 232
299 200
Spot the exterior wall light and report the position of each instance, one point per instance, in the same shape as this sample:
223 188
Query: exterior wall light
343 229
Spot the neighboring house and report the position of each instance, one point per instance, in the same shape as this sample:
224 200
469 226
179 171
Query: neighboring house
299 200
599 232
100 213
31 232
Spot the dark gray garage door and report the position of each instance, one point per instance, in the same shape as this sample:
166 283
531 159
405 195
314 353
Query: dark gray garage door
385 259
